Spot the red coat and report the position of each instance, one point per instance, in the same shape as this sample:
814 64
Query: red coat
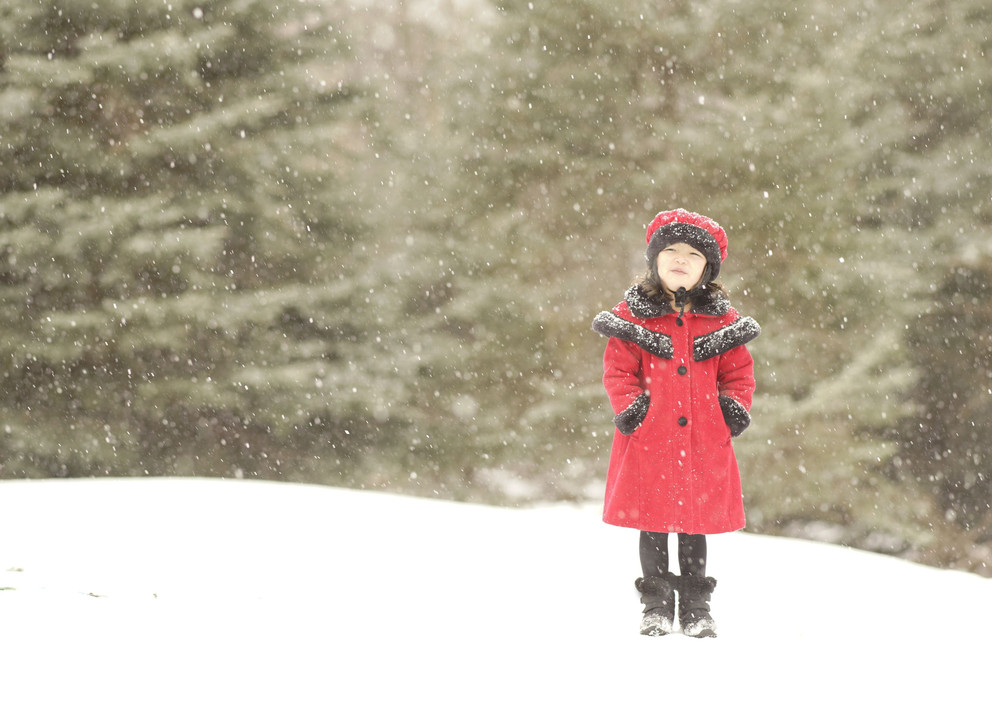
680 390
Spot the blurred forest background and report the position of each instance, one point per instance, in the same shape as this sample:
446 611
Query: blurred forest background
361 242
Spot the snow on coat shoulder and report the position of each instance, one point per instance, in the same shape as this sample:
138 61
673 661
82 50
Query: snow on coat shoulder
680 388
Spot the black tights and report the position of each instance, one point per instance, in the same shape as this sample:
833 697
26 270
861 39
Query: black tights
654 554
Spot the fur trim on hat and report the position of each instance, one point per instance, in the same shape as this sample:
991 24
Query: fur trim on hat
681 226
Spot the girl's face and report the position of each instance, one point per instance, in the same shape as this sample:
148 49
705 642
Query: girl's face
680 266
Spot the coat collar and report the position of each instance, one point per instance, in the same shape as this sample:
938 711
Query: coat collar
642 306
733 331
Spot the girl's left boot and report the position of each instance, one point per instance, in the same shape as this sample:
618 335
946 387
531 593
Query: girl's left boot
694 606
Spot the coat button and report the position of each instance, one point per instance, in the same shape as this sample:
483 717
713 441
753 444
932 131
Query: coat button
683 421
683 369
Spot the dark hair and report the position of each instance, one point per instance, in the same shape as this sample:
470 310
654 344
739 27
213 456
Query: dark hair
705 289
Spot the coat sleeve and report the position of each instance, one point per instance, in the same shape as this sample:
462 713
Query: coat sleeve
735 380
622 378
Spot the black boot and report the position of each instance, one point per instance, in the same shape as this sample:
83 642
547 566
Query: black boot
658 596
694 606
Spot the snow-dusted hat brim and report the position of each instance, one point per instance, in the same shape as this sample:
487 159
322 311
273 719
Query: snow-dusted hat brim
692 235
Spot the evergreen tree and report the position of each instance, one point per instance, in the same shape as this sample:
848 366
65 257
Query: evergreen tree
172 206
943 444
218 254
538 183
773 138
927 190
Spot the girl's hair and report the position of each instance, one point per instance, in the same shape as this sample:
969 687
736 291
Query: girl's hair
651 286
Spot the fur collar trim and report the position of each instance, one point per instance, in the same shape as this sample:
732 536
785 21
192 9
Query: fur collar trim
738 332
656 343
642 306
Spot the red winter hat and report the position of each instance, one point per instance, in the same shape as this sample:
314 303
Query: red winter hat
699 231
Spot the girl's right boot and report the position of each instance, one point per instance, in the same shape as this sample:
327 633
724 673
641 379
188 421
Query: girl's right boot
658 596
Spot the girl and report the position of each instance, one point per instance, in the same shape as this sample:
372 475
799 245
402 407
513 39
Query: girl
680 381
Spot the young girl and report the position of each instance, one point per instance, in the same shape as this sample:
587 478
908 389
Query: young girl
680 381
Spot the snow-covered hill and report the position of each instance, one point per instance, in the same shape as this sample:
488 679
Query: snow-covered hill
181 598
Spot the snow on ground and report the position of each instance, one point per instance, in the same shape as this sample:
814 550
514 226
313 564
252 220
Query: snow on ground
186 598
